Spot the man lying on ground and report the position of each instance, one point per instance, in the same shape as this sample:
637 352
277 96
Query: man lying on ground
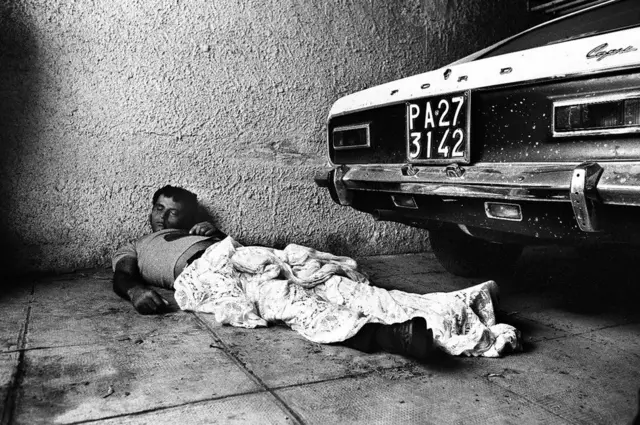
158 258
177 240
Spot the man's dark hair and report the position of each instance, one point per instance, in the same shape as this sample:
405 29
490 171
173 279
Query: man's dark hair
178 194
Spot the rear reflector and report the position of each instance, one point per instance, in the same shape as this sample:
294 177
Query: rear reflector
352 137
611 114
500 211
404 201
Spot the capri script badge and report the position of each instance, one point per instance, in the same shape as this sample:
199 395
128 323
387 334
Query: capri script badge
601 52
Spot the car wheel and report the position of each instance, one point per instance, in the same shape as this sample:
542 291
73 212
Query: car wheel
608 254
466 256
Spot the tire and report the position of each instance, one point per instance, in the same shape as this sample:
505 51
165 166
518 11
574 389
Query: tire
466 256
608 254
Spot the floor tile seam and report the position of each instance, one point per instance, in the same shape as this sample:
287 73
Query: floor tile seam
406 273
537 322
170 407
570 334
18 373
376 274
86 344
296 418
408 254
381 282
52 347
615 344
523 315
527 400
339 378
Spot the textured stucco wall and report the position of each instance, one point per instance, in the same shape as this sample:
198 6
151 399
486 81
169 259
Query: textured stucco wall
102 102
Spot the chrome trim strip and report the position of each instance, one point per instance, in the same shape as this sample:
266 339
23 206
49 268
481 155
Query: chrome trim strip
609 97
619 184
583 182
344 196
467 191
365 126
598 132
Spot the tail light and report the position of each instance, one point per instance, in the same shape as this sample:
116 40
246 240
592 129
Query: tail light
352 136
602 115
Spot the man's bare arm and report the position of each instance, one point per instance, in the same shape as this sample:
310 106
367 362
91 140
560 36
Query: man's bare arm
128 284
206 228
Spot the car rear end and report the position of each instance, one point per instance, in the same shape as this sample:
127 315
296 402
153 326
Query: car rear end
533 145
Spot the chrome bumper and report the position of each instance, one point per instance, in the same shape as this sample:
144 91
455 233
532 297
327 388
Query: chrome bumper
582 185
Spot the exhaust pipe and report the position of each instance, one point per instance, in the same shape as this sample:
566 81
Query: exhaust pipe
386 215
392 215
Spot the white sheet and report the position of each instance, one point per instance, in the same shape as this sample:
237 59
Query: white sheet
326 299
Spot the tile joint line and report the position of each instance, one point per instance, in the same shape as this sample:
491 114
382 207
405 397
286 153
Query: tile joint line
18 373
225 348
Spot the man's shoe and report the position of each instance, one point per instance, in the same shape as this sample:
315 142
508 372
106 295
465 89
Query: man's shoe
410 338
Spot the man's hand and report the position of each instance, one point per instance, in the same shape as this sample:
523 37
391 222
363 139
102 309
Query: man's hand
147 301
203 229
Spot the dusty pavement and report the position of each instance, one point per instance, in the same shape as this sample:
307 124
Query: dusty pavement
72 352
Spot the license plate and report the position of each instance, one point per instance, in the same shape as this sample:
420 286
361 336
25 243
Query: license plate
438 129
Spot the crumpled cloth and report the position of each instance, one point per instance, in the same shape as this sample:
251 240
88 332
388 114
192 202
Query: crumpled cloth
326 299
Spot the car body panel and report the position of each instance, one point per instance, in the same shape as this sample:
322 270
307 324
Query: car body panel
561 60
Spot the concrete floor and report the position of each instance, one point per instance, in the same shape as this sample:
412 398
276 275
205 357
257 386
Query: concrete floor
73 352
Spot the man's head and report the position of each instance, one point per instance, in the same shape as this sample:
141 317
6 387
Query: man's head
173 208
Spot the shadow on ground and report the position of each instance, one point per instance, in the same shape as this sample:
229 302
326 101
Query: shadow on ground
595 281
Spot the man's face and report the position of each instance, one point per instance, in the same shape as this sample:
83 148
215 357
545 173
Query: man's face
168 214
